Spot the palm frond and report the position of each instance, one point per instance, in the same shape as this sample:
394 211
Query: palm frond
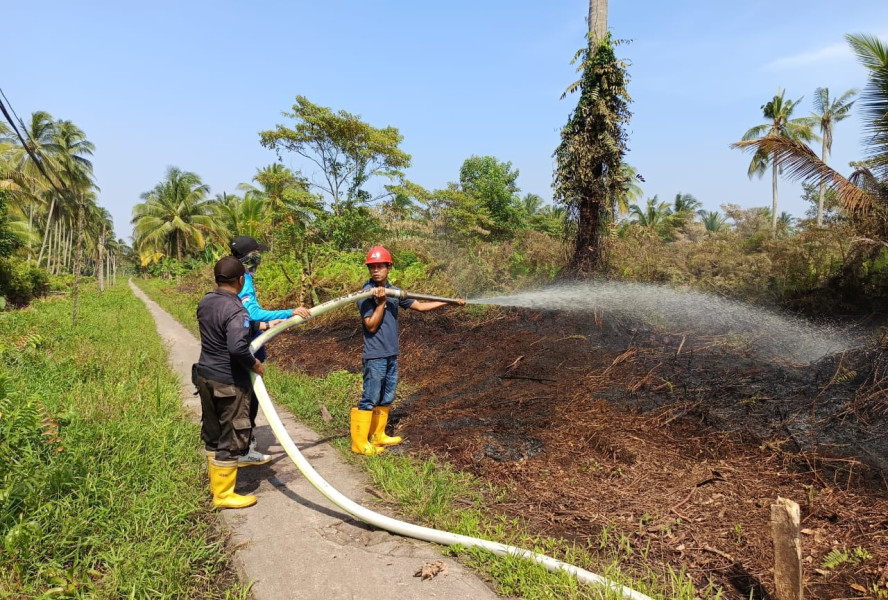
799 162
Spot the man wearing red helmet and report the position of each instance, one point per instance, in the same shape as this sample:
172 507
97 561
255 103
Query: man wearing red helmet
379 315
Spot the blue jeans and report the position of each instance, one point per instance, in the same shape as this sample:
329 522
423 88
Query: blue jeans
380 381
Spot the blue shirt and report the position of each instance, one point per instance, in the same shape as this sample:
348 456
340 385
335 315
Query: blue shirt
247 297
257 313
384 342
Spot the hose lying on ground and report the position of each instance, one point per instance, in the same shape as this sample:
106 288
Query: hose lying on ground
381 521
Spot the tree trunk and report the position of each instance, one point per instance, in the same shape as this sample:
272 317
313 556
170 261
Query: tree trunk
774 196
101 261
597 19
69 246
587 250
30 229
46 231
77 257
822 188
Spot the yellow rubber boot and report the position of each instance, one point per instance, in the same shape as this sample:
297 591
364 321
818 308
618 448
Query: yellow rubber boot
377 428
223 475
360 431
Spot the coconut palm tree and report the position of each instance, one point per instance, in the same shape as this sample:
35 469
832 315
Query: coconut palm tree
33 164
241 216
684 206
176 218
629 191
873 54
780 124
654 214
827 113
866 191
713 220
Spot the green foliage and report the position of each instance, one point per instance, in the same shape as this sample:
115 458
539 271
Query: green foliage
493 183
90 422
588 174
348 150
20 282
9 242
837 557
176 220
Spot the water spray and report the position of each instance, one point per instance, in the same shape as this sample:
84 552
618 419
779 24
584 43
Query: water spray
381 521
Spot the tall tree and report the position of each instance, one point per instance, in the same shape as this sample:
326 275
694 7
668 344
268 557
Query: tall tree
684 208
655 214
34 162
712 220
873 54
176 218
827 113
77 177
780 124
866 191
588 177
348 151
493 183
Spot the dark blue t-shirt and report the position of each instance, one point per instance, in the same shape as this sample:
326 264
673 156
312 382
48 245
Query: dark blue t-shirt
384 342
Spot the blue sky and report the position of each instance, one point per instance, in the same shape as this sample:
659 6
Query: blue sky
191 84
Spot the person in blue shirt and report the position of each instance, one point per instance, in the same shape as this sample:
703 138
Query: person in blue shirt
379 317
249 252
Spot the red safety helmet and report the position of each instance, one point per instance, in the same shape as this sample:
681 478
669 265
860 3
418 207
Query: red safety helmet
378 254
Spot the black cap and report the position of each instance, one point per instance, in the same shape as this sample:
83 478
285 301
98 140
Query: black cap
228 269
244 244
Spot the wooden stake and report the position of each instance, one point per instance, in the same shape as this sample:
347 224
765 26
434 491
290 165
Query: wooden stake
785 521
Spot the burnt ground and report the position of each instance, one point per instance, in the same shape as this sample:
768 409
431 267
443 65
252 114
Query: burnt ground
679 444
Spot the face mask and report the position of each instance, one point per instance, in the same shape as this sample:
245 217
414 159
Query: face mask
251 261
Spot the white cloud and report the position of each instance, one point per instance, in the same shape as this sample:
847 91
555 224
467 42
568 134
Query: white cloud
832 53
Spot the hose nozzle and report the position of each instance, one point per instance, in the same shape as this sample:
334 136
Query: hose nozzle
405 295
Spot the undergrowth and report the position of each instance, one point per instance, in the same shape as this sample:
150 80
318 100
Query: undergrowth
101 492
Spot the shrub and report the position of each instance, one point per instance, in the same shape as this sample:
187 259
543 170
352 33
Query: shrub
20 282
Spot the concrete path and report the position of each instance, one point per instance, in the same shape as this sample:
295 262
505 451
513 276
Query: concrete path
294 543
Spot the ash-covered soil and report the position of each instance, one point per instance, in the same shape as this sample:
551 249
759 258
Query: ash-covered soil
677 443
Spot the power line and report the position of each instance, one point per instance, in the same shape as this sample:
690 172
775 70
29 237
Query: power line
24 143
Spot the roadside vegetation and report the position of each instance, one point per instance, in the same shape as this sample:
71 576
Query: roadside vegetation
90 424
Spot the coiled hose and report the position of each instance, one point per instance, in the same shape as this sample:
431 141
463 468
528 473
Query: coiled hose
381 521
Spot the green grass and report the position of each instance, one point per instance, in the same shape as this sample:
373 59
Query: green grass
183 307
102 490
429 492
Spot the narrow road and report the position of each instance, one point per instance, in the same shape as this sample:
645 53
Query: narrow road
294 543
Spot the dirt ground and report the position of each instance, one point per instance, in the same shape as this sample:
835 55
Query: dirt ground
679 444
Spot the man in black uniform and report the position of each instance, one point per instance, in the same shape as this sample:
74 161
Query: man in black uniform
222 377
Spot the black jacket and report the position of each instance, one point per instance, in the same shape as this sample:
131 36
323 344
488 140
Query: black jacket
225 335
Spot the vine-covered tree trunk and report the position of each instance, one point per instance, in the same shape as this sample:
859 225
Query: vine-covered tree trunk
587 251
588 177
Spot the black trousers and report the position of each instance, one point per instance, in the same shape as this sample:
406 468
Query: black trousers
225 425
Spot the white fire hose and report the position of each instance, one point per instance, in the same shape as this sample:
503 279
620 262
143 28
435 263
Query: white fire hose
381 521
